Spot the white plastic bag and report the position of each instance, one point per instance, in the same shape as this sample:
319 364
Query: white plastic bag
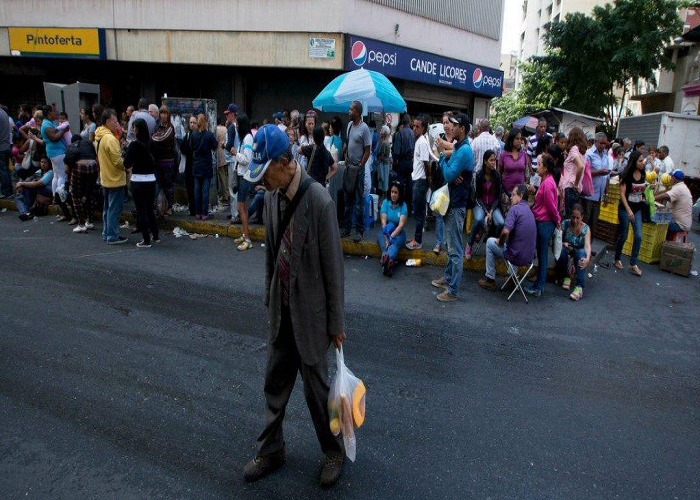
557 243
346 404
440 201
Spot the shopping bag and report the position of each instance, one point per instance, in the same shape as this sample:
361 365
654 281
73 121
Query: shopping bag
346 404
557 242
440 201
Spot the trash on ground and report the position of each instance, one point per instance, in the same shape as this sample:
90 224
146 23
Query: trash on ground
4 210
26 230
590 275
196 236
262 245
413 263
178 232
125 225
178 209
216 235
693 273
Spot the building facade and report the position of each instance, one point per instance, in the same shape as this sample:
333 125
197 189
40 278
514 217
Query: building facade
677 91
536 15
264 55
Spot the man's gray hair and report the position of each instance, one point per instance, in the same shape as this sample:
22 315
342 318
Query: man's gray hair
357 104
601 136
499 131
153 107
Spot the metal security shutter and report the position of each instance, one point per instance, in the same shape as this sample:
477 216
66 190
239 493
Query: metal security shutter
482 17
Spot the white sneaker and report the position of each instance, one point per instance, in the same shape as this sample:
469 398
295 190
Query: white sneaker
80 229
89 225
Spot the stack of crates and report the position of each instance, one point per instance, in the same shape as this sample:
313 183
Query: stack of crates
608 212
653 237
607 231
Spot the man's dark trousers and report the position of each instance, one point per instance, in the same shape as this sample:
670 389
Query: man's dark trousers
420 190
283 363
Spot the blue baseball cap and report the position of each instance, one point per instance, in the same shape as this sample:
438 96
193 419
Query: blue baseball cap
269 143
232 108
278 115
678 174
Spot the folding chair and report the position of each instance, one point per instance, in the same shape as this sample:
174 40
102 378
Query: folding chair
518 282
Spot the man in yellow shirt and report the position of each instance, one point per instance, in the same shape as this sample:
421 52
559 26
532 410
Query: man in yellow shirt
112 176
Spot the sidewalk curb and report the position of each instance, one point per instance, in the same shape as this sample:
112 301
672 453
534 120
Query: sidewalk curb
362 249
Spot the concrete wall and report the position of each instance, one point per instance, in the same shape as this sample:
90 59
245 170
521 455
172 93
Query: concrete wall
189 19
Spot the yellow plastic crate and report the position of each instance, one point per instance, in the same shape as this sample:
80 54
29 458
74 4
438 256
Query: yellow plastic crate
608 213
653 237
468 221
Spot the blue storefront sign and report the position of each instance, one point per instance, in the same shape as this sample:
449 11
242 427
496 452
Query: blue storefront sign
418 66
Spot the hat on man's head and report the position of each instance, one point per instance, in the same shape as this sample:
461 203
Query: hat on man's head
232 108
269 143
462 120
278 115
678 174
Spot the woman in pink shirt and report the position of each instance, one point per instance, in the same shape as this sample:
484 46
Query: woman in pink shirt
570 182
547 218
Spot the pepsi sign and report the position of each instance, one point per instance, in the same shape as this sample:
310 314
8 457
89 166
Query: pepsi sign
408 64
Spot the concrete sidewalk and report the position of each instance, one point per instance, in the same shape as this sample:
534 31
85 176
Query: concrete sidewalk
367 248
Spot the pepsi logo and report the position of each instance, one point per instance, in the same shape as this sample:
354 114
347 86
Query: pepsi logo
477 78
358 53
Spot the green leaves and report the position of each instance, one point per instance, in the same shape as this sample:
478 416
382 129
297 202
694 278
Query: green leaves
590 61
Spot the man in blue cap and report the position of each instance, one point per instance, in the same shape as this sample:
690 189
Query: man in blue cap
304 296
681 203
279 120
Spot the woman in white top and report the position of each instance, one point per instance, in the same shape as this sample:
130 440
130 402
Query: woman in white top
306 134
244 156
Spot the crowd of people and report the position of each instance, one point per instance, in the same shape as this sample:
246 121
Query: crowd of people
523 191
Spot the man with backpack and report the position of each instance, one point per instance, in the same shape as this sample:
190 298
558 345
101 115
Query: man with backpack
599 170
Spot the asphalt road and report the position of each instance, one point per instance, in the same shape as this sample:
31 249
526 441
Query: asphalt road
130 373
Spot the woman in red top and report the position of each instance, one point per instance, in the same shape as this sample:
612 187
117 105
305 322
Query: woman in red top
547 218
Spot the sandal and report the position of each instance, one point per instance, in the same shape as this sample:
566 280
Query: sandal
566 284
245 245
577 294
240 239
635 270
619 265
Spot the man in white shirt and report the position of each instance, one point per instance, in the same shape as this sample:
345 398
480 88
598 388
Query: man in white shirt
667 165
482 143
681 203
421 159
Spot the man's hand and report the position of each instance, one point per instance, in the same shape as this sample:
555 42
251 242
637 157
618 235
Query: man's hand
233 151
338 340
583 263
459 180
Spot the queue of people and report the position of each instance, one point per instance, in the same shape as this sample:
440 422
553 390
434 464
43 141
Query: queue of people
565 178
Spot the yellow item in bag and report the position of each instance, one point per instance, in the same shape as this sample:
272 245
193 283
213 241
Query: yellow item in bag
440 201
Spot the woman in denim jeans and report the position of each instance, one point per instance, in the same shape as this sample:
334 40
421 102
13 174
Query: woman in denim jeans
547 216
632 202
575 252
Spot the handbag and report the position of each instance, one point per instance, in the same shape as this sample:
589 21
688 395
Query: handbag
350 177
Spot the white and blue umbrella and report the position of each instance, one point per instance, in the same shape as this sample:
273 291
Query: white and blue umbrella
374 90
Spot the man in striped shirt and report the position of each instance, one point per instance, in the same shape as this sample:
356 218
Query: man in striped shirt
532 142
482 143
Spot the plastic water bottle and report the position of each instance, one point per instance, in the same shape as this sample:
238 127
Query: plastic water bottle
413 263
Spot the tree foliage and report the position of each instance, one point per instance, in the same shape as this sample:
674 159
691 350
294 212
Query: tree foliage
590 59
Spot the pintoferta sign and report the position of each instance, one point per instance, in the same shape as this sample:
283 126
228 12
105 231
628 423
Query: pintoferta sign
418 66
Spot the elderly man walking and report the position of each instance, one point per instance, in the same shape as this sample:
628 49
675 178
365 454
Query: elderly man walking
304 295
